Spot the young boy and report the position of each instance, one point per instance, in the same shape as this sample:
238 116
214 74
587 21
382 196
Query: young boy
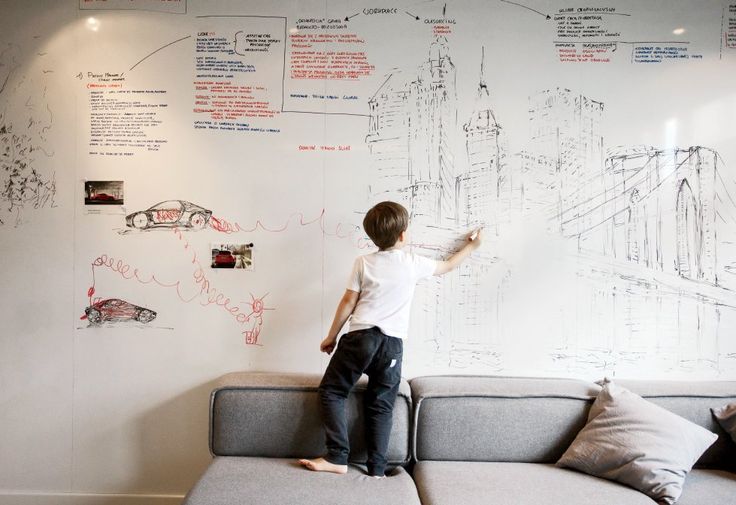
378 297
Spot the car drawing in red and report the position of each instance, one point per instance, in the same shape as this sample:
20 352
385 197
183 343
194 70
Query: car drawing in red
115 310
223 259
170 214
103 197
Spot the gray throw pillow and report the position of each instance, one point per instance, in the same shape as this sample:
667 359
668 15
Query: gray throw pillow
726 417
633 441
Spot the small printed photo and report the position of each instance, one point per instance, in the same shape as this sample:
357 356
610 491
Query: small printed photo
232 256
103 193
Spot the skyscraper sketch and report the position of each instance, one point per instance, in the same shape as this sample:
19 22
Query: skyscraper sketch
479 188
413 139
644 228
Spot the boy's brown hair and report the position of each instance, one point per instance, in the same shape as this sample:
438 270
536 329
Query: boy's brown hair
384 222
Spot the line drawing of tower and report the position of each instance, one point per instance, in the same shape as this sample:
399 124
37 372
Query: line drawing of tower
479 188
411 137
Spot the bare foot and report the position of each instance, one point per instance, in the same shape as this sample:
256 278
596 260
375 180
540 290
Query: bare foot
322 465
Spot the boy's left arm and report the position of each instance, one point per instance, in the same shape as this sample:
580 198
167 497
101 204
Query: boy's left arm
344 309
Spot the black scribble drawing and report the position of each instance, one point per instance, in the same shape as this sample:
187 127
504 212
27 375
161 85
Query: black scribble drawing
170 214
26 181
639 239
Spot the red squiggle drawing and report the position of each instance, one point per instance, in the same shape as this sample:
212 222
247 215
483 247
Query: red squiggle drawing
208 295
214 297
257 306
342 230
167 215
128 273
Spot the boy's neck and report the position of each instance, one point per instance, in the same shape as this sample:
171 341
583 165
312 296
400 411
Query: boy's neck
394 247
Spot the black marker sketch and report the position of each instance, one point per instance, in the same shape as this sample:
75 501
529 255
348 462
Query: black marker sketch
413 139
8 65
114 310
25 181
170 214
644 237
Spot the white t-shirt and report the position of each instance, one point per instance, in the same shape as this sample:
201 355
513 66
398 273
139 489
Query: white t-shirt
386 282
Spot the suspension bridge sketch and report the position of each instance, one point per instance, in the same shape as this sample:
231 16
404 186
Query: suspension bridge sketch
638 240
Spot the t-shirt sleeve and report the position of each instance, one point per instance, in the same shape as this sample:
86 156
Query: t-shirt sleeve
356 276
423 267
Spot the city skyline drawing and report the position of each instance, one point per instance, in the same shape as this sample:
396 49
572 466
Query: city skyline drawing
643 237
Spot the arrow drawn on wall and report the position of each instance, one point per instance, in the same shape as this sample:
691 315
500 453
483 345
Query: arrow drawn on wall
157 50
547 16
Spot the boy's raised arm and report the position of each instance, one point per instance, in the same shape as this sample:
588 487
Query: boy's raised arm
344 309
473 241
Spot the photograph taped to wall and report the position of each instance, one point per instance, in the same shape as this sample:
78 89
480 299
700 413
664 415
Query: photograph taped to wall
104 192
238 256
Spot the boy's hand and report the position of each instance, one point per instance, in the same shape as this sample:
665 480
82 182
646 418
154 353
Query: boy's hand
476 238
328 345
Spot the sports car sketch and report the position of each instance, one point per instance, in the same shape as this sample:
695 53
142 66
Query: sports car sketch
170 214
115 310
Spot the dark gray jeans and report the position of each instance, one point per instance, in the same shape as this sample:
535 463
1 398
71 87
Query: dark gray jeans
378 356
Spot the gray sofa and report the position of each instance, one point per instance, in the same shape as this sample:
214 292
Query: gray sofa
455 440
260 424
494 440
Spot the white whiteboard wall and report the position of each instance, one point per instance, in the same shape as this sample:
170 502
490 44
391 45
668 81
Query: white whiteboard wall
594 142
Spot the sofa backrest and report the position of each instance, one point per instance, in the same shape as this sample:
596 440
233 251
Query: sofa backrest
693 401
277 415
469 418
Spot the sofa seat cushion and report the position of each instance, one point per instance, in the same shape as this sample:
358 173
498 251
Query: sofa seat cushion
277 481
709 487
480 483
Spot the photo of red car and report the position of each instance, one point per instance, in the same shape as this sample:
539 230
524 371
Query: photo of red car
102 197
223 259
104 192
237 256
115 310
